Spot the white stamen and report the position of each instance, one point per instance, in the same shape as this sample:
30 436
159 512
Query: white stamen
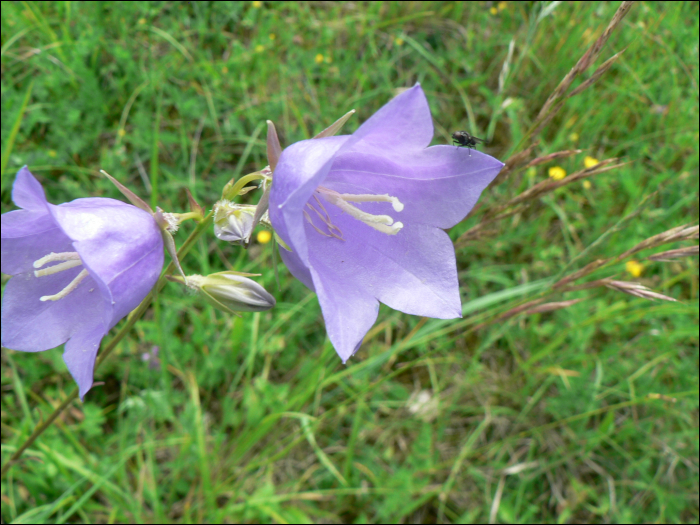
57 268
53 257
68 289
382 223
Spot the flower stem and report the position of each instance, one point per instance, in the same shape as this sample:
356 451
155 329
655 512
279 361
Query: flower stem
107 350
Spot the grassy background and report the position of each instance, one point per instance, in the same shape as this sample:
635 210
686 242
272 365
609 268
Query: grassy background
548 418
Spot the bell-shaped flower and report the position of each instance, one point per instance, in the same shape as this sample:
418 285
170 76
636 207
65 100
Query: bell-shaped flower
78 268
363 217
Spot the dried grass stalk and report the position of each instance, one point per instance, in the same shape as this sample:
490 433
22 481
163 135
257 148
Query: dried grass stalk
552 156
669 255
478 230
589 268
637 290
585 61
679 233
550 185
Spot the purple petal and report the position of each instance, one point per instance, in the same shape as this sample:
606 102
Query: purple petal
125 261
402 124
349 312
305 165
413 271
31 325
27 193
438 186
79 355
28 236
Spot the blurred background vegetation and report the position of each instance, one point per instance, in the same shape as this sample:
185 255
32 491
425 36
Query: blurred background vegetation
585 414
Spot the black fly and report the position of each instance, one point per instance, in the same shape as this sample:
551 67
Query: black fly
462 138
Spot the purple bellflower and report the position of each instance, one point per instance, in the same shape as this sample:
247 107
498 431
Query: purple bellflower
362 217
78 268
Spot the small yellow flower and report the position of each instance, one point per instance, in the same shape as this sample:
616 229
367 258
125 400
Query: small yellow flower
557 172
502 5
142 21
121 132
257 5
587 184
259 48
494 10
264 236
573 137
224 70
52 153
589 162
319 58
531 171
272 36
634 268
398 41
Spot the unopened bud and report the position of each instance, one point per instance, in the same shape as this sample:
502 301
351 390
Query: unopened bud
230 291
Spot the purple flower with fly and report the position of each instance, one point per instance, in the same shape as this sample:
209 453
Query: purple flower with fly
361 217
77 269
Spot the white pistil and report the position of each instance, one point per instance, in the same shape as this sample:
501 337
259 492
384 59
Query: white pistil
395 202
382 223
67 260
68 289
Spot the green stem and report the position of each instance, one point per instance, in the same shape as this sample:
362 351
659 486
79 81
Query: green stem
107 350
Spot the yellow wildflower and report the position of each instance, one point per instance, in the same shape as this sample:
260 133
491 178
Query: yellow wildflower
502 5
493 10
634 268
573 137
264 236
557 172
398 41
587 184
259 48
257 5
319 58
589 162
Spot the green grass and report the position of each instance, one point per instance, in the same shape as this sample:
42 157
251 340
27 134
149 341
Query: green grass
584 414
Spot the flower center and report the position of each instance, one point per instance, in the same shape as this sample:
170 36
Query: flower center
382 223
66 261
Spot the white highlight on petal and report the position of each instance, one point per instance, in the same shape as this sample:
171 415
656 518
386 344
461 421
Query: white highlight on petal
68 289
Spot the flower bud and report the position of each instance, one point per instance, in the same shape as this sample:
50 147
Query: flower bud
231 291
233 222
